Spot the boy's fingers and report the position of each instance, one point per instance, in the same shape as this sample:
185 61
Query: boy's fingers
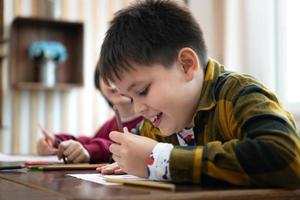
60 151
69 147
49 141
115 149
98 169
79 158
46 133
107 169
119 171
110 167
43 142
117 159
117 137
62 147
54 151
73 155
125 130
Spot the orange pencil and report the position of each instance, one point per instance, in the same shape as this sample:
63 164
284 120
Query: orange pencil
48 139
46 134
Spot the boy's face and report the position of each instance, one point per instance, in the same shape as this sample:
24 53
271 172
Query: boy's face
164 96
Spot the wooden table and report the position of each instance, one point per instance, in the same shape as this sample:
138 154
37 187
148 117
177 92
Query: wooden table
24 184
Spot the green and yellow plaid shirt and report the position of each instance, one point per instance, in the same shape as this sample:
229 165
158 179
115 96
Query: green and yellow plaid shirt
243 135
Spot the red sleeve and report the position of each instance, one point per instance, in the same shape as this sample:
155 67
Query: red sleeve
98 146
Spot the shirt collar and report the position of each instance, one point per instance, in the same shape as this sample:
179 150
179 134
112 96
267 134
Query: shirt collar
207 97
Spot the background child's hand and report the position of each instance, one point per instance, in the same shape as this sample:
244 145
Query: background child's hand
45 147
74 151
131 152
113 168
45 144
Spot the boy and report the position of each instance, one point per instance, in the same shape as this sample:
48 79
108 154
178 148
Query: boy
92 149
230 129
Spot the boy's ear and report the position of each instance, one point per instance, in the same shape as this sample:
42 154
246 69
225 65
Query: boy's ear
189 62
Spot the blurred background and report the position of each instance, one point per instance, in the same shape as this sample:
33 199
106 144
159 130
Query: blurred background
251 36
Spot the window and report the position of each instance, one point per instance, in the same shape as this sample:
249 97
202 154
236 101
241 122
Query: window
288 54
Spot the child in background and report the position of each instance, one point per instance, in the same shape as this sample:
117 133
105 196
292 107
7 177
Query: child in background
229 128
92 149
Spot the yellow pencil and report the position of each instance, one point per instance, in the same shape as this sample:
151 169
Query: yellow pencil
161 185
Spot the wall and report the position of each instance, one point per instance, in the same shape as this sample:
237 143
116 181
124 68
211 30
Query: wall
78 111
243 35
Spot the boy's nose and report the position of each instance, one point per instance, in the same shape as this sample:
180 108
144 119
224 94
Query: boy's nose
139 107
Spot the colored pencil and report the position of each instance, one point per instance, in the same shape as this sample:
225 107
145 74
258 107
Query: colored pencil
161 185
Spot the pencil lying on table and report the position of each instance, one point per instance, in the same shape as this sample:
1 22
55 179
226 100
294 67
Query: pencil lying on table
160 185
12 167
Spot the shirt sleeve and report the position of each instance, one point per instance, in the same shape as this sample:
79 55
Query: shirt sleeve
256 143
98 145
158 162
98 149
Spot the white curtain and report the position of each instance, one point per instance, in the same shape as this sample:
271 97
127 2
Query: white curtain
240 34
249 36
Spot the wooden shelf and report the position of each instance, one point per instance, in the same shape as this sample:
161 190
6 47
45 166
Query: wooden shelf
4 40
40 86
2 57
24 31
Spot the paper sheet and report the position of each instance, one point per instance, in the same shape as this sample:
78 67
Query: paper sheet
99 178
26 158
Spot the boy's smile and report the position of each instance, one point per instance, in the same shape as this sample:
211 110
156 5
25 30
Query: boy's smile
165 96
156 119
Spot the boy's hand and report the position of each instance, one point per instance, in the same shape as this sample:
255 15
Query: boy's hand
131 152
45 147
73 151
110 169
45 144
48 136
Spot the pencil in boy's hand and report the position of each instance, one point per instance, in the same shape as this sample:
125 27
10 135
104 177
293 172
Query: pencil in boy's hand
46 134
118 118
120 127
63 156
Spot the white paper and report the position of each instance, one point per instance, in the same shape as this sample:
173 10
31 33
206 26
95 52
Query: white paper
100 178
26 158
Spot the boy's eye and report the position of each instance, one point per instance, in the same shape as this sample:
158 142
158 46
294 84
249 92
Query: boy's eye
131 99
144 91
113 91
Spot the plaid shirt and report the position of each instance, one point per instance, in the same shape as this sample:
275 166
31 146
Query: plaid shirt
243 136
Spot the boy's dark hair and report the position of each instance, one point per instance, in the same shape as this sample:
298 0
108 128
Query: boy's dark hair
97 83
149 32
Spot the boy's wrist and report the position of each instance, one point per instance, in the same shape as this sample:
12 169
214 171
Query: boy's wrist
158 162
